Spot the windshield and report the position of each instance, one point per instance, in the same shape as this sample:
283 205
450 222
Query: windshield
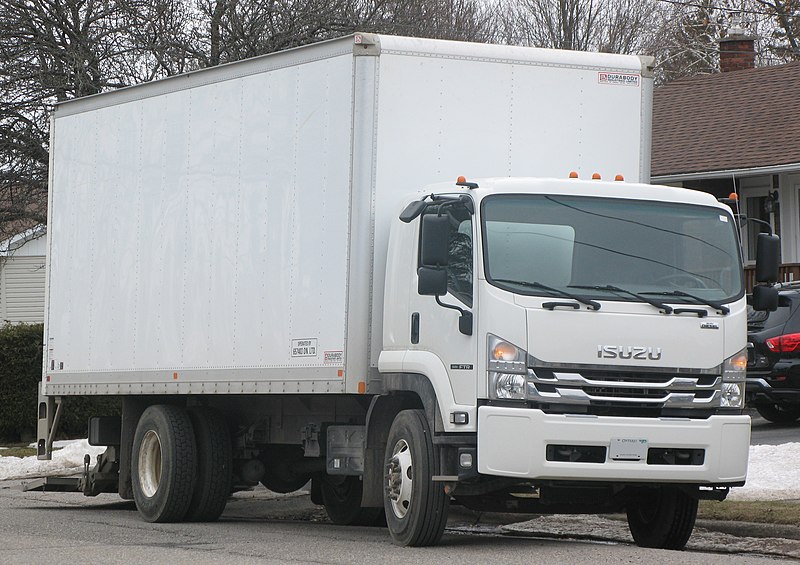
569 242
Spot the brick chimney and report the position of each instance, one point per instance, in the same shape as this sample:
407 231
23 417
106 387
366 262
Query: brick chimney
737 51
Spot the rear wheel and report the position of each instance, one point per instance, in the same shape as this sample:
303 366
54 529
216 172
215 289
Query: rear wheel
214 460
662 517
778 414
416 507
163 464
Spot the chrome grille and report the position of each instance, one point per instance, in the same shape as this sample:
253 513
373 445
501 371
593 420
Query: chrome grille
620 388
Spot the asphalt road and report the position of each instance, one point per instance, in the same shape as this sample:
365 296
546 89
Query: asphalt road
259 527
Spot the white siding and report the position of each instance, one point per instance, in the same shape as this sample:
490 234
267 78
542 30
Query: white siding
22 289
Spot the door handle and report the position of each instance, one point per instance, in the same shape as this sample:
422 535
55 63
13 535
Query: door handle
415 327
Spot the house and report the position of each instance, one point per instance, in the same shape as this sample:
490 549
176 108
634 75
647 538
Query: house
22 276
737 131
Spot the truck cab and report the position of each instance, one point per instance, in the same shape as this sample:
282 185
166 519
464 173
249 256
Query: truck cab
575 332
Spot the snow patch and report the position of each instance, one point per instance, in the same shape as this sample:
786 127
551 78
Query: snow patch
773 473
66 461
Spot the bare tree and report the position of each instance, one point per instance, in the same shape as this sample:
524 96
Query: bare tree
50 50
782 43
688 40
617 26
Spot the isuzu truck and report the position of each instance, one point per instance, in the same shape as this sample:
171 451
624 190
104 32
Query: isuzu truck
416 273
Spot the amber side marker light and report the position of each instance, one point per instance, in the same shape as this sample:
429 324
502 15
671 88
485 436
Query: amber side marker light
595 176
504 351
573 174
619 178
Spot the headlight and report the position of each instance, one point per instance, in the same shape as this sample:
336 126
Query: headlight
507 370
734 371
508 386
732 396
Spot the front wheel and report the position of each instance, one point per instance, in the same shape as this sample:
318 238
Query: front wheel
416 507
662 517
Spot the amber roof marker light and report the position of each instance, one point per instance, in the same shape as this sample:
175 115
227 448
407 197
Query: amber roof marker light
462 181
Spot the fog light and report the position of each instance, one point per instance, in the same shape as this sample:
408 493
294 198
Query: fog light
731 395
465 460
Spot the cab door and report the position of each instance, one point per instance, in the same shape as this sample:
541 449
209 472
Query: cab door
437 324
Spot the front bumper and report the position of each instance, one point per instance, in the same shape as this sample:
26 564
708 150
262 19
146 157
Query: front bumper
512 442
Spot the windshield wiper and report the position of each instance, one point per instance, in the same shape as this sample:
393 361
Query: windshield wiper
713 303
594 305
657 303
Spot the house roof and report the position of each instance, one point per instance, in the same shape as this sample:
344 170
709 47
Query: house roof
728 121
9 246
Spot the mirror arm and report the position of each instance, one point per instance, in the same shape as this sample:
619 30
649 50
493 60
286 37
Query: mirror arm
464 322
761 222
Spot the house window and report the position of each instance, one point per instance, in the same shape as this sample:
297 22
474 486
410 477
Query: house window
766 208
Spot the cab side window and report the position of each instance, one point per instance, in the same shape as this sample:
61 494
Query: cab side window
459 266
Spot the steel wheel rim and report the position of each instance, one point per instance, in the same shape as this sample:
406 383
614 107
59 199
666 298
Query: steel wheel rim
150 463
400 478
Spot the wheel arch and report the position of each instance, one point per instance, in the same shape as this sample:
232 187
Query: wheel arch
404 391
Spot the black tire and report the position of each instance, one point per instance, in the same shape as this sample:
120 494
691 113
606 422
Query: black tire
341 497
163 464
278 474
416 507
778 414
662 517
214 462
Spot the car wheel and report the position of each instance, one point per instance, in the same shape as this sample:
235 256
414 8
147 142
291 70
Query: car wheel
779 414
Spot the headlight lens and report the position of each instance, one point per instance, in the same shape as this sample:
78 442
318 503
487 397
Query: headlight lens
507 370
732 396
509 386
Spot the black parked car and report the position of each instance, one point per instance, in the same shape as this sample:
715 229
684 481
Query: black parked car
773 366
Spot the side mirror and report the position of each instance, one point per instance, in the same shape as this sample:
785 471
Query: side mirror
768 251
465 323
410 213
432 281
764 299
435 241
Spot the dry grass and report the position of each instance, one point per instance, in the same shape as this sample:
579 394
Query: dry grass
761 511
17 452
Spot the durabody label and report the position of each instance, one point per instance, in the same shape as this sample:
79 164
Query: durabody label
618 79
333 357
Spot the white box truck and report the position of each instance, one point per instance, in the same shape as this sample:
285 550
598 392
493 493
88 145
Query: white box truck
253 258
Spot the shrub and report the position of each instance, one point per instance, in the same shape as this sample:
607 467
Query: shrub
20 374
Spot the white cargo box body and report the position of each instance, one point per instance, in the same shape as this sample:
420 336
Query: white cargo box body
225 231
